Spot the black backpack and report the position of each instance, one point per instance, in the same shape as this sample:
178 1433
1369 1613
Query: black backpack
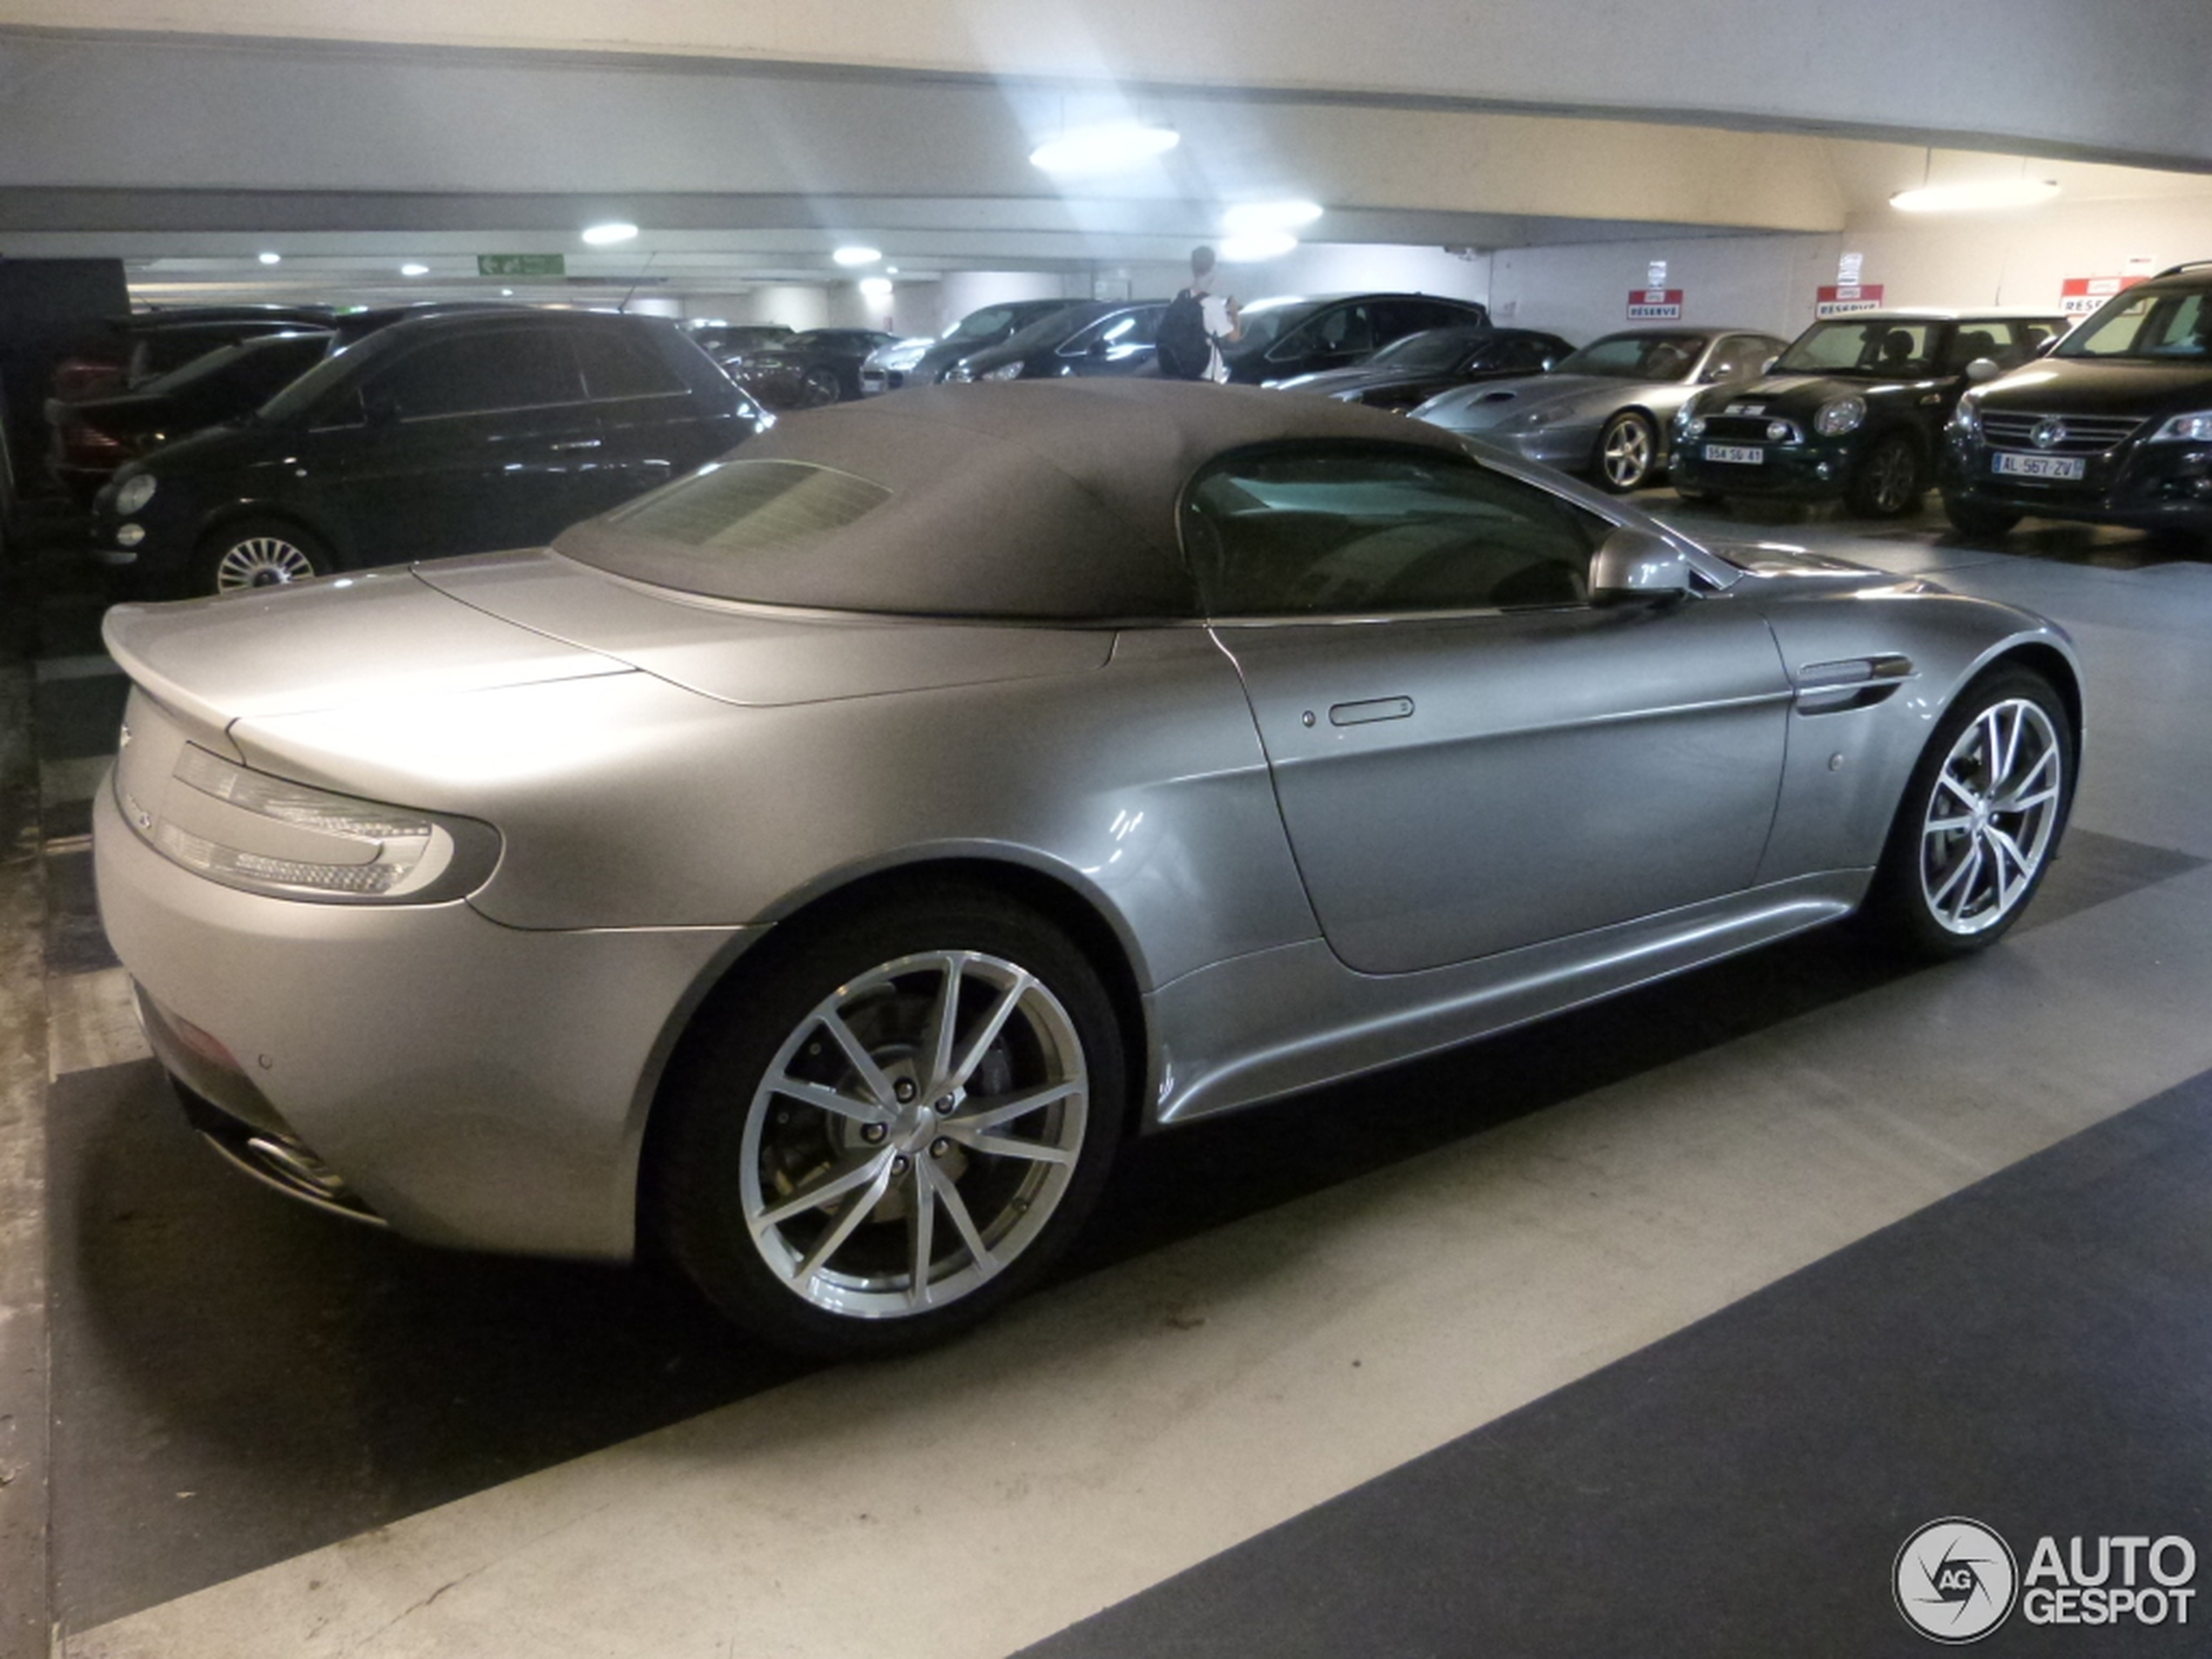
1185 348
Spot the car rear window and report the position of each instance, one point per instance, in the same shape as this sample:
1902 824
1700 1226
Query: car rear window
738 506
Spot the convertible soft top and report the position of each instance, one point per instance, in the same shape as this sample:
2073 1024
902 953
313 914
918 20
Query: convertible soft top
1046 501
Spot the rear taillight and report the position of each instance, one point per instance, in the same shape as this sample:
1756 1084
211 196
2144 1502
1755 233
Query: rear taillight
87 446
78 377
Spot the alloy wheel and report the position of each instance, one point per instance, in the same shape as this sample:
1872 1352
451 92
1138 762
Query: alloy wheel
914 1135
262 562
1990 816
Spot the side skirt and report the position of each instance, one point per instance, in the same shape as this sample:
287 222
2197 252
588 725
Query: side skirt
1256 1027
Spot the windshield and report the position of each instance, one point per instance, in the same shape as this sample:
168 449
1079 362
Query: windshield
1884 348
1430 348
306 392
995 322
1265 322
2172 325
1637 357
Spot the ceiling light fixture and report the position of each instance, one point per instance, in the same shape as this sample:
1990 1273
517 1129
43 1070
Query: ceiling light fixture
1252 249
1103 149
853 253
269 259
608 234
1249 219
413 269
1975 196
875 287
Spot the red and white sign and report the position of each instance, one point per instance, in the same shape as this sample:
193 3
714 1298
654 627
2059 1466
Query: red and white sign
1841 299
1654 305
2081 295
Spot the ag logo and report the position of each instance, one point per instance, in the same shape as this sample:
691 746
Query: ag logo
1955 1579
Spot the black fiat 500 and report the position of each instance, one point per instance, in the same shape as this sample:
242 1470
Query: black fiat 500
2115 427
459 432
1854 408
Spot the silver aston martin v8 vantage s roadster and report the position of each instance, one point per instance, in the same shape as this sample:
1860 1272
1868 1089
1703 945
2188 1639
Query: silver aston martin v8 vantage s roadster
821 864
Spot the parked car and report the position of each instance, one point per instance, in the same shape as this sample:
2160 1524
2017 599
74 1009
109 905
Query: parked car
2114 426
1294 335
126 352
807 370
444 434
910 362
1605 410
723 341
816 864
1093 337
1410 371
1854 408
91 437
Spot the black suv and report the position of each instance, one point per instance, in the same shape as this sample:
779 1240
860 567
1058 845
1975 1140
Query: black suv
459 432
1854 408
2114 427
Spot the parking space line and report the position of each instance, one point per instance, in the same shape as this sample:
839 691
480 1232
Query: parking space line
91 1020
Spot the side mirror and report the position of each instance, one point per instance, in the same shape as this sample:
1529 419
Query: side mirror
1633 564
1983 368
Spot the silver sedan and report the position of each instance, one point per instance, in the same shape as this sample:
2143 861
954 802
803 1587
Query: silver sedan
822 863
1608 410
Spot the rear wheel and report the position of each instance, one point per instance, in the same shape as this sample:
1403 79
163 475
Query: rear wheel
902 1124
1980 820
1887 481
1979 521
1627 450
258 553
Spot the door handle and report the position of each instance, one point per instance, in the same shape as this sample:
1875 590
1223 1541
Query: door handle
1376 708
578 443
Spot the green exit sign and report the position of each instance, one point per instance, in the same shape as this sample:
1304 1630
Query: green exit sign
522 265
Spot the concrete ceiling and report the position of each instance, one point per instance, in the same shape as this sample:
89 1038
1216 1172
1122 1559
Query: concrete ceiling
247 125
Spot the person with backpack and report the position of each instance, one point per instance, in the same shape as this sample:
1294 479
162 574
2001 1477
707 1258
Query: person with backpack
1195 326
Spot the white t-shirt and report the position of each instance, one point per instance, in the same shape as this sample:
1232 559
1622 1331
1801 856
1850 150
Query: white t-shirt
1219 326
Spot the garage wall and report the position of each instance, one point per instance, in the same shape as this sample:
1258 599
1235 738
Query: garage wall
1769 281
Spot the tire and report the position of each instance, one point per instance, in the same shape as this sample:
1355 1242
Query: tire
1888 481
1967 851
1627 452
1984 523
817 386
258 553
774 1107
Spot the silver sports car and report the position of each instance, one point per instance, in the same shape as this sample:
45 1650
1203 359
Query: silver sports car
1605 410
821 863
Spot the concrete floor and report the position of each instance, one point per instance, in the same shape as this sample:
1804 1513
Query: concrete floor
1673 1304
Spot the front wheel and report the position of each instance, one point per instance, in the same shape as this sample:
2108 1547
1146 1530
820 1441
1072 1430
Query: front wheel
900 1123
1627 450
1887 481
1980 818
258 553
818 386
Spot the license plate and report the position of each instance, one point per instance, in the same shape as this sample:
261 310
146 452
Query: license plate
2038 466
1740 453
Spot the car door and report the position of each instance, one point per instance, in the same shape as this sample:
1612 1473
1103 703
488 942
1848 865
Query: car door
1467 755
651 425
468 442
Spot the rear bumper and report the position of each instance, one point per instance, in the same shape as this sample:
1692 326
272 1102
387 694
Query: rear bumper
469 1083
